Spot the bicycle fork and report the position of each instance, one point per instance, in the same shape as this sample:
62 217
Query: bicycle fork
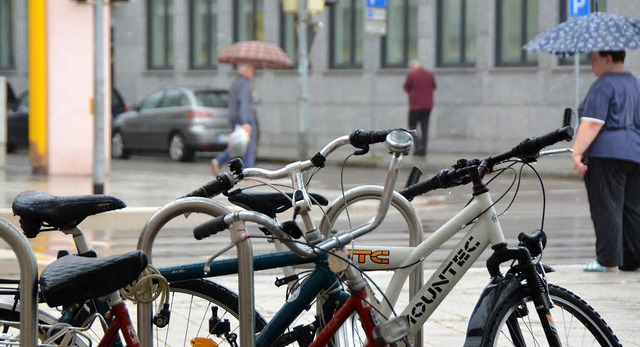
536 284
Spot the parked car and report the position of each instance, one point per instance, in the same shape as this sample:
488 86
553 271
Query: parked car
18 119
180 121
18 124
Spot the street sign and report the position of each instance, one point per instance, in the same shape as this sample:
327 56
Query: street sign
376 3
376 17
579 8
376 13
376 27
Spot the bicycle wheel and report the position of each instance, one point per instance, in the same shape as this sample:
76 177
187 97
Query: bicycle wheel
516 322
10 322
193 303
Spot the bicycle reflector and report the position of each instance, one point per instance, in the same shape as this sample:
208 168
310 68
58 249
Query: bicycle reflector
392 330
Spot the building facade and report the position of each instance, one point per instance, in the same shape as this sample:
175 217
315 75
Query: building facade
490 92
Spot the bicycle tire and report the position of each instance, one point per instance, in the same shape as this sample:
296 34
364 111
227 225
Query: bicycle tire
191 305
10 316
577 323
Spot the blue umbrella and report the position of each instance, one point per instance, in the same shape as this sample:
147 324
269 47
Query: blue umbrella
598 31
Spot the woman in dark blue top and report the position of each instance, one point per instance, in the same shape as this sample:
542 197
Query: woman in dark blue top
607 153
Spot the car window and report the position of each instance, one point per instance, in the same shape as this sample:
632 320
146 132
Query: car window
151 101
173 98
211 98
116 100
23 104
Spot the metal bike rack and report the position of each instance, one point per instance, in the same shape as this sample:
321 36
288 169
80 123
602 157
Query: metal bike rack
28 282
401 204
245 265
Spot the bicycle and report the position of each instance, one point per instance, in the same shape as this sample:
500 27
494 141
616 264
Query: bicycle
85 297
504 303
482 212
189 277
68 281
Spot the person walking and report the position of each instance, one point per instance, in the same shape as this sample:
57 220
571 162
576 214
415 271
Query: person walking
420 85
607 152
241 112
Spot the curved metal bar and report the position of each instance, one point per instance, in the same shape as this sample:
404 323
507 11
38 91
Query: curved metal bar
398 202
245 268
28 281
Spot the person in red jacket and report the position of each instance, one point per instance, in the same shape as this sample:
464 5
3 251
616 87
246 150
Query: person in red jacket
420 85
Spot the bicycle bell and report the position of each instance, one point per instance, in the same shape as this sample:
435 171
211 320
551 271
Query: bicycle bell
399 141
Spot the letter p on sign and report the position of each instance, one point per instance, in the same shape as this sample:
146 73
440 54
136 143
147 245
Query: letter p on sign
579 8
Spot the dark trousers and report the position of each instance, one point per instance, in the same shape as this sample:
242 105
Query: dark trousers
420 141
613 188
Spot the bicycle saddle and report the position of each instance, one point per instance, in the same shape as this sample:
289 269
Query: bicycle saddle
72 279
270 203
59 212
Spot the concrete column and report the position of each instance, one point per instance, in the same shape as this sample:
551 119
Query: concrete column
61 86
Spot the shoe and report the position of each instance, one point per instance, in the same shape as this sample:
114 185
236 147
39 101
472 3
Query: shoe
628 269
594 266
215 167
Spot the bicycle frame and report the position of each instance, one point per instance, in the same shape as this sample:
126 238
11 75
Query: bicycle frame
121 322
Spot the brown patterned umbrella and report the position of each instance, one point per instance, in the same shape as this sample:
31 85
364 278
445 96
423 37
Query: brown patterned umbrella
260 54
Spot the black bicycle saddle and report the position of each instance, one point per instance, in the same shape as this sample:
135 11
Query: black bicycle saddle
59 212
73 279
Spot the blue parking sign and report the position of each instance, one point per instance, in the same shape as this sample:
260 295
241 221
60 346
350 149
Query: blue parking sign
376 3
579 8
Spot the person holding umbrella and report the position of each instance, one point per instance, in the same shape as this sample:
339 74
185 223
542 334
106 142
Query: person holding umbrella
241 112
607 145
606 152
247 56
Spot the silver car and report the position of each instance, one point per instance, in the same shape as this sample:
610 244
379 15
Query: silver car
177 120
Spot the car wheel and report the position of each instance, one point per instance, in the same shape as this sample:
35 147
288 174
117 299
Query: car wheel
178 150
118 148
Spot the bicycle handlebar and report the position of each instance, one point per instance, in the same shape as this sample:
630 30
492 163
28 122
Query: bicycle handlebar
398 142
358 138
448 178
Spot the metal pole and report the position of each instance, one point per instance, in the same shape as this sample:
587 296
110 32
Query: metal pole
576 67
3 121
98 104
303 72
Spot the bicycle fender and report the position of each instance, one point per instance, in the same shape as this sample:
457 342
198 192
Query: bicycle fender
495 292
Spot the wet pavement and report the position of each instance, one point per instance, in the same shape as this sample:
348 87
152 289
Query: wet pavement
147 183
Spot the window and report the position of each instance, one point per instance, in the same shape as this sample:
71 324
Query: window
289 35
401 42
174 98
160 34
585 59
203 43
517 23
456 41
6 35
346 48
249 20
152 101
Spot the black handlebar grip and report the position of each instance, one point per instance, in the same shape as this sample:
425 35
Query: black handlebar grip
420 188
209 228
531 146
212 188
361 138
567 117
